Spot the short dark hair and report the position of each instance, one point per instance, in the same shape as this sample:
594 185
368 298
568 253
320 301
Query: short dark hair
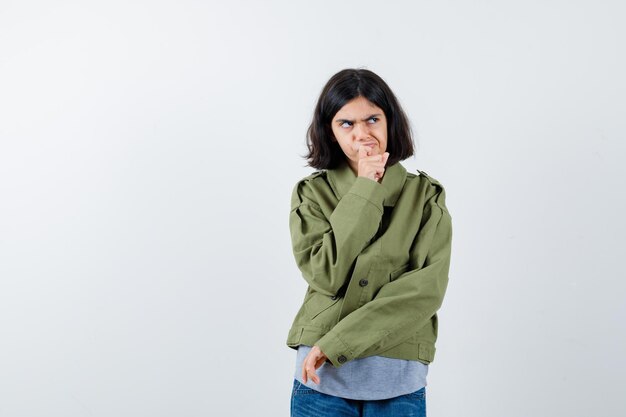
342 87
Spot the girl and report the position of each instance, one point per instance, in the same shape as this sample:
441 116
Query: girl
373 243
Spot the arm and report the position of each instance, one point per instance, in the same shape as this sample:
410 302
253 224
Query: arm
404 304
325 249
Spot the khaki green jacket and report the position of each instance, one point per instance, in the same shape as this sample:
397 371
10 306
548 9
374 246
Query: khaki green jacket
376 258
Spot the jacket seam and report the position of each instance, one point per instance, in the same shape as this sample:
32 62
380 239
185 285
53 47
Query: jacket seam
306 325
312 205
366 199
344 345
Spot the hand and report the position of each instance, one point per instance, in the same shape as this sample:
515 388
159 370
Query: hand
313 360
371 166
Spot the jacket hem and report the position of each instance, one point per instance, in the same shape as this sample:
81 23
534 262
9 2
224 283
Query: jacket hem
416 350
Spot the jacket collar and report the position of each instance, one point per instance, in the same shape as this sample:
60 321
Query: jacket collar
341 179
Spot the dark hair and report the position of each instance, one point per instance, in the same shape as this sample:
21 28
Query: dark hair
342 87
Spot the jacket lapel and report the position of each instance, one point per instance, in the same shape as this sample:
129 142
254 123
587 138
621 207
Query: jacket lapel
341 179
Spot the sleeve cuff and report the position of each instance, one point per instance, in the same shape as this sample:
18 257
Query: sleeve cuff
370 190
335 349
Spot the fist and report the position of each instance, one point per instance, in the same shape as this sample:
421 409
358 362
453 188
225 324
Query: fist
371 166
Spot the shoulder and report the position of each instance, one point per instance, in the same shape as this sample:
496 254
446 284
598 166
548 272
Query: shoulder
313 175
304 189
429 188
432 180
423 179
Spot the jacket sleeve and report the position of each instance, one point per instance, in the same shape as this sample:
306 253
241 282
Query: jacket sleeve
325 249
402 305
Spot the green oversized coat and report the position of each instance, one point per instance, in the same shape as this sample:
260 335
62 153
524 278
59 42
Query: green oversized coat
375 257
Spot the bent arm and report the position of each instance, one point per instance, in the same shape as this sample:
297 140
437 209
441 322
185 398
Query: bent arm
325 249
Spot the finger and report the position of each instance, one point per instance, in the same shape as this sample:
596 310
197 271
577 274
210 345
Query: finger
363 152
308 374
304 369
320 362
308 370
314 377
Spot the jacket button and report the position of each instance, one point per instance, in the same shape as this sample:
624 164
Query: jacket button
363 282
341 359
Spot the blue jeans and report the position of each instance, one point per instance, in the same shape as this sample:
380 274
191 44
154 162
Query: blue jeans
306 402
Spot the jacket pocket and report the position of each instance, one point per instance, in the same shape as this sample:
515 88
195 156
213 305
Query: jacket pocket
317 303
397 272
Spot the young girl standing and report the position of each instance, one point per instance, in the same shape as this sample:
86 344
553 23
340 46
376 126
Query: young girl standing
373 243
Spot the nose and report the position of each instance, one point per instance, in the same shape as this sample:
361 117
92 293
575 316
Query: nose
360 131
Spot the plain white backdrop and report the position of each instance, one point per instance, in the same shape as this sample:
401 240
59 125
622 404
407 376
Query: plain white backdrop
148 150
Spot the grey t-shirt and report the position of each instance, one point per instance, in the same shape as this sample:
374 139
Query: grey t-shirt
370 378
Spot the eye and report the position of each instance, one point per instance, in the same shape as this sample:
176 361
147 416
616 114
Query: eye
373 118
342 124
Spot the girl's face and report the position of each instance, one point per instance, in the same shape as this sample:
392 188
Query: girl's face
360 122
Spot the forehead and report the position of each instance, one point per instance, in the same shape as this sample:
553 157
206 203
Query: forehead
358 107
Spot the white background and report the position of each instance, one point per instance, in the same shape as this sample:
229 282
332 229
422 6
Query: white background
147 155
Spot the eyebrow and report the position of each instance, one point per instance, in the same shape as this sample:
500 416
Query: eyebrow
352 121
